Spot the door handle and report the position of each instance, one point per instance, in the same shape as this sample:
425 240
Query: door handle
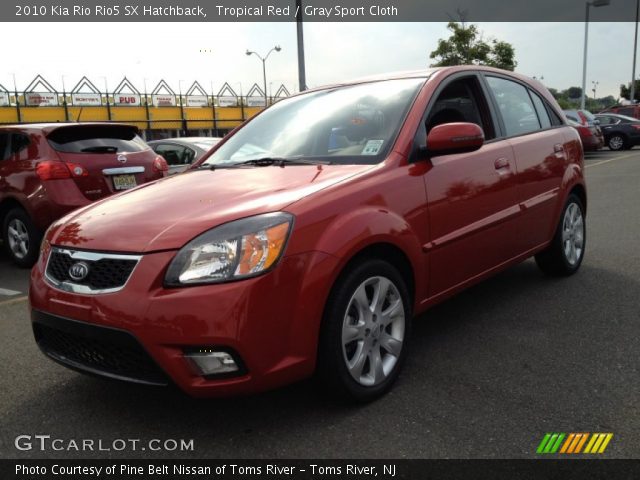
501 163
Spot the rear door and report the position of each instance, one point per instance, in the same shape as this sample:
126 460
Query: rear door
105 158
472 196
536 134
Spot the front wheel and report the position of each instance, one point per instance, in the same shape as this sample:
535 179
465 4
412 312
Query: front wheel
566 251
365 330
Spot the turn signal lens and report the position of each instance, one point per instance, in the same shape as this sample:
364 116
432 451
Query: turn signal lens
260 250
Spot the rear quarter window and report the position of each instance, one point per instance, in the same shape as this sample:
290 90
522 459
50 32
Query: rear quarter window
96 139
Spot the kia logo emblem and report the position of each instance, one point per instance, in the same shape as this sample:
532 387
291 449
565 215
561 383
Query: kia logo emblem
78 271
122 158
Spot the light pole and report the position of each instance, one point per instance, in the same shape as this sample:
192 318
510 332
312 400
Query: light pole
594 3
635 50
277 48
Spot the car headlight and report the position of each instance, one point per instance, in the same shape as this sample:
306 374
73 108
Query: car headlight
239 249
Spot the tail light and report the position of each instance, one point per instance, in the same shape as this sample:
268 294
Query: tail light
53 170
586 131
160 165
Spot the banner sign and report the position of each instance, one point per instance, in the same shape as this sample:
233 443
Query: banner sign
197 101
47 99
86 99
161 100
132 99
4 99
227 101
255 101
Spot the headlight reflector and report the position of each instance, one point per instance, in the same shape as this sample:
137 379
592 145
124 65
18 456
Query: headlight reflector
239 249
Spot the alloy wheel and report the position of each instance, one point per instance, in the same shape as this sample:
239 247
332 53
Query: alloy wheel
18 237
573 234
373 331
616 143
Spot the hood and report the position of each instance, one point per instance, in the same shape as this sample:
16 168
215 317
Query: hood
166 214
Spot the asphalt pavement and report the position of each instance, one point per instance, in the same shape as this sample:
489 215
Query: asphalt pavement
489 373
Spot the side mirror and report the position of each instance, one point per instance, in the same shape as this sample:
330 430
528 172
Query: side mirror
460 137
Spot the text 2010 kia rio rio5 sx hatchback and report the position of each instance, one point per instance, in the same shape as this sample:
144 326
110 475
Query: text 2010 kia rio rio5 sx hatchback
307 240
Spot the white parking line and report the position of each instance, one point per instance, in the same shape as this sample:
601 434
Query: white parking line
9 293
612 160
14 300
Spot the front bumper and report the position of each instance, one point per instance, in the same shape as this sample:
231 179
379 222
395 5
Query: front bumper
271 322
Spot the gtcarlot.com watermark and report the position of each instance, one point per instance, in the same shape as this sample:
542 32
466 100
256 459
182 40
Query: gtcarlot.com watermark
47 443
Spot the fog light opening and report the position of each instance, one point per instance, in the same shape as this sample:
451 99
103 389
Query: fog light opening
207 362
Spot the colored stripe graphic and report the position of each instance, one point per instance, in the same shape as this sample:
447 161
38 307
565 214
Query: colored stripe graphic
555 443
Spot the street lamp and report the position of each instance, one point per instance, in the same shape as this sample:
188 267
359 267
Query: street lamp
594 3
277 48
595 85
635 53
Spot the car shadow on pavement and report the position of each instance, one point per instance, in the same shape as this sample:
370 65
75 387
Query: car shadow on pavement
488 360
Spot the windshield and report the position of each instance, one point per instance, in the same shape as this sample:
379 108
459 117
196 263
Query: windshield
351 124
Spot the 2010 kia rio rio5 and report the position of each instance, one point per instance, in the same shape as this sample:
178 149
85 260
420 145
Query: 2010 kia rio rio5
307 240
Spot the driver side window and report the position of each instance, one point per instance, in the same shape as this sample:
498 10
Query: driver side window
461 101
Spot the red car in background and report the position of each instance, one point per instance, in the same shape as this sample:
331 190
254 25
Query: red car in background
308 239
591 136
47 170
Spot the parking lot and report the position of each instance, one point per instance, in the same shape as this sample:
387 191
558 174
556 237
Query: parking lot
489 372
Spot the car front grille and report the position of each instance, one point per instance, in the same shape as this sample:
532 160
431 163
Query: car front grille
105 272
95 349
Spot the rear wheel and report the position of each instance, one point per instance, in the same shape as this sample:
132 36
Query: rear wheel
617 142
365 330
566 251
21 238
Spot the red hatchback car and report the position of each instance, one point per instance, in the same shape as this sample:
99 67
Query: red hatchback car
308 239
47 170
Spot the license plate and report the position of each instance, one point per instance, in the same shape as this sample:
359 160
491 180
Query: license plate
124 182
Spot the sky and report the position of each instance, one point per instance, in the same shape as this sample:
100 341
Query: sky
214 53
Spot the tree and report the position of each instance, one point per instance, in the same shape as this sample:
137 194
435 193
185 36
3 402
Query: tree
465 46
625 91
574 92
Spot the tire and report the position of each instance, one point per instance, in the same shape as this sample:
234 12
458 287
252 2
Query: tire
617 142
21 238
356 338
564 255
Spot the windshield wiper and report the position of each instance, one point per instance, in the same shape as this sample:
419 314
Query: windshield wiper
263 162
266 161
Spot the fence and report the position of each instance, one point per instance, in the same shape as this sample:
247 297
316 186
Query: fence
160 110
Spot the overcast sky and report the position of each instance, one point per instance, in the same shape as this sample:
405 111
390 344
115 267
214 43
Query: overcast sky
215 52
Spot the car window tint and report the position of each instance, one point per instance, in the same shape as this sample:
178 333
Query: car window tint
4 146
96 139
19 142
515 106
606 120
175 154
541 110
461 101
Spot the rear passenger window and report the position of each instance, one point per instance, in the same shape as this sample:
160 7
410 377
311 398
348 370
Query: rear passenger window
18 143
515 105
4 146
541 110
